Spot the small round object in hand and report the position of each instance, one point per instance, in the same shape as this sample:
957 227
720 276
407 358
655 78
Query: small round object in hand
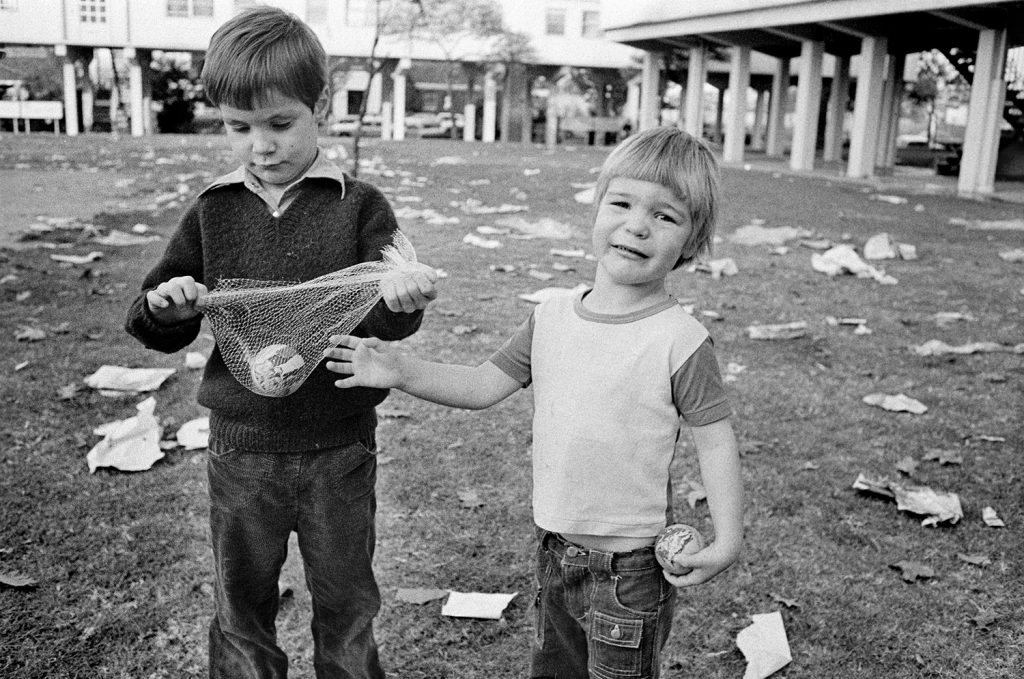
674 541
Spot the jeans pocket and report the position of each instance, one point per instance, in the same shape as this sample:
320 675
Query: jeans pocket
641 591
616 646
221 451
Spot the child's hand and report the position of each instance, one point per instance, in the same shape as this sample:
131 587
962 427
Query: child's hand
176 300
370 362
706 564
410 289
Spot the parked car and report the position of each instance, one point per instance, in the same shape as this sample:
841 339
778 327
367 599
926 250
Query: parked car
425 125
345 126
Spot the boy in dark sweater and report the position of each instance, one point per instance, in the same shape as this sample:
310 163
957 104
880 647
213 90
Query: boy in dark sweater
303 462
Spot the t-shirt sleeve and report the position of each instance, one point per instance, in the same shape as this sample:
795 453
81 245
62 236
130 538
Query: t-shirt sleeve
698 390
513 358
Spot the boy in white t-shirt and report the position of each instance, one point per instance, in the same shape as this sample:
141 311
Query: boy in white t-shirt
613 369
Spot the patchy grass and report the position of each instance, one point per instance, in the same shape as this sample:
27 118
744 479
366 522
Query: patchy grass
122 561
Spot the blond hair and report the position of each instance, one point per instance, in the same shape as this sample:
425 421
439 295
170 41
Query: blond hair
672 158
261 50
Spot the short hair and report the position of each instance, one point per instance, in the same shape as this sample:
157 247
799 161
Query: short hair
679 161
263 49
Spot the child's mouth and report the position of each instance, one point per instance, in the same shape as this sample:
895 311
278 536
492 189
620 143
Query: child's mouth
630 251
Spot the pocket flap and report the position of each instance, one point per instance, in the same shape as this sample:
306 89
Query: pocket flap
617 631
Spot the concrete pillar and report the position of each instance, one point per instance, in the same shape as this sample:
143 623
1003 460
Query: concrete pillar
88 92
490 108
70 92
696 76
398 81
736 123
835 115
551 118
650 91
469 129
808 106
136 111
375 94
387 120
867 109
777 109
720 114
526 132
631 110
757 134
984 113
892 97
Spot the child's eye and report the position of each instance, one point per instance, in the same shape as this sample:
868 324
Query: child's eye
666 218
619 203
239 128
281 125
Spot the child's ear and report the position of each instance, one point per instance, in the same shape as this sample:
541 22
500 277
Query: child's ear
322 102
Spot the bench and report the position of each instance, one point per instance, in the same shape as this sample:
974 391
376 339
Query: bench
596 130
32 110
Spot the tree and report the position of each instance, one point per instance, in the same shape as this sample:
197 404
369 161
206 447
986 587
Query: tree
462 30
935 74
511 50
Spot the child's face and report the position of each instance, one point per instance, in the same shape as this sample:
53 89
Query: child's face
639 232
276 140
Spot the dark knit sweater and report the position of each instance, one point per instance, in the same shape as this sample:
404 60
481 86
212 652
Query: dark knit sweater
229 233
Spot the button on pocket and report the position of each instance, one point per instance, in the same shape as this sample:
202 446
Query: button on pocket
617 647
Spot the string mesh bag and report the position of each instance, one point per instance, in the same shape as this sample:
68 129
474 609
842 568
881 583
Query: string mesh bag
272 334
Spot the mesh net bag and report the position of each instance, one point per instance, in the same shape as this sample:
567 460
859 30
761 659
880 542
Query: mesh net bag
272 334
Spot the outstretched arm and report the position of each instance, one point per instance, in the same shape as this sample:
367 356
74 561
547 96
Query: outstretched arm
371 362
719 460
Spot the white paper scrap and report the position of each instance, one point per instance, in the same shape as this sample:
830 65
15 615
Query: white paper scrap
130 445
899 403
764 645
546 293
476 605
194 434
118 378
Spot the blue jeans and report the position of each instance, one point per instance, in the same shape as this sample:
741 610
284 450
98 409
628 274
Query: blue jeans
600 615
256 500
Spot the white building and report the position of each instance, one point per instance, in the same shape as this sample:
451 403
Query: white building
562 33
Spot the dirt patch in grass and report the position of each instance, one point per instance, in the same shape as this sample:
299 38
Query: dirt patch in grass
122 561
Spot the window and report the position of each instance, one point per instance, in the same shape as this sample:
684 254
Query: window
8 5
92 11
360 13
316 11
180 8
554 21
591 27
243 4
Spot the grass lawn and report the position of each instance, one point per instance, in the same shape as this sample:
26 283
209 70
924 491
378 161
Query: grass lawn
122 561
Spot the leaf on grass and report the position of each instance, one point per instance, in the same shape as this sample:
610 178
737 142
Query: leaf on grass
17 580
469 499
979 560
907 465
28 333
788 603
983 620
991 519
911 571
67 393
944 457
419 595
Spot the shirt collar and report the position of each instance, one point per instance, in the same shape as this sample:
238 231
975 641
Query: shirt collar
322 168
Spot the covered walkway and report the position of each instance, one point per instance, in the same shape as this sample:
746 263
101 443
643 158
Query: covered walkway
868 41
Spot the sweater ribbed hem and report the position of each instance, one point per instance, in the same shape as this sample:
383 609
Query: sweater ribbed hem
247 436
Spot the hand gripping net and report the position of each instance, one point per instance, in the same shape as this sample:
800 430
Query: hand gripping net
272 334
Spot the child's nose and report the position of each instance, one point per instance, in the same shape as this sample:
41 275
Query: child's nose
638 225
262 143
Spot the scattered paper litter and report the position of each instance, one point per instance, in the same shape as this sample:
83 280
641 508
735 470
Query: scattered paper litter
936 347
935 506
991 519
584 197
572 254
78 259
947 317
118 238
756 234
1016 255
419 595
476 605
449 160
764 645
843 259
544 227
719 267
118 378
898 403
544 294
990 225
777 331
194 434
130 445
894 200
194 360
480 242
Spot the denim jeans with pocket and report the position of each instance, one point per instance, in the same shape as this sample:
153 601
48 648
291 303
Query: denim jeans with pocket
256 500
600 615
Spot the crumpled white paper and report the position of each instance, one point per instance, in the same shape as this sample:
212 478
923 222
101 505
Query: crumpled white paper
131 445
843 259
755 234
194 434
118 378
898 403
543 294
764 645
476 605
